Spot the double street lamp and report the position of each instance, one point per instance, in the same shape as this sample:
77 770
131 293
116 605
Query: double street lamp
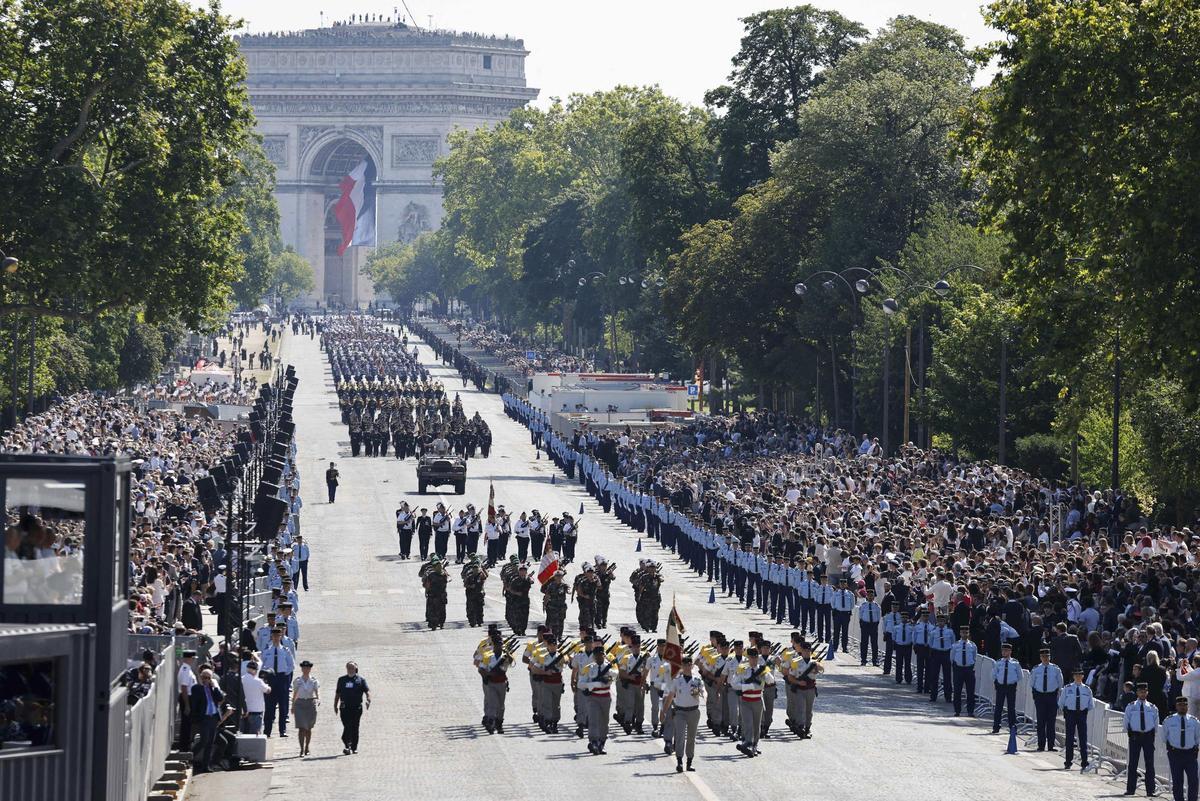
597 277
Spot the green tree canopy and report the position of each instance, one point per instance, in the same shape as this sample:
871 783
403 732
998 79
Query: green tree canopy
122 121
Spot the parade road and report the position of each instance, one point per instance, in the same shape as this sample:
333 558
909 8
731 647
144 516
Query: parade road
422 737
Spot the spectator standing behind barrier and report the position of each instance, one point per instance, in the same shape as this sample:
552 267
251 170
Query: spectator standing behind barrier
254 690
206 699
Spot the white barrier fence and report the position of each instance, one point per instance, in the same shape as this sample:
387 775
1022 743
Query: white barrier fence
150 730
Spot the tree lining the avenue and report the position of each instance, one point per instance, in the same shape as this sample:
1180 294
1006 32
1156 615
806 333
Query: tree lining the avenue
138 200
1012 230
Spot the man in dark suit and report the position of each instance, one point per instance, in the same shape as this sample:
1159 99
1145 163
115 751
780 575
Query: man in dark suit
206 698
191 615
1065 650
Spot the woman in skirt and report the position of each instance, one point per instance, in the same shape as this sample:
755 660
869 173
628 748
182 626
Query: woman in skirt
306 695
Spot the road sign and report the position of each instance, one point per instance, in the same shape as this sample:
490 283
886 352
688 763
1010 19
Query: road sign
531 355
693 390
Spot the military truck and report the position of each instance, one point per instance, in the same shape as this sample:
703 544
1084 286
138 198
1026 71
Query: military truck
440 469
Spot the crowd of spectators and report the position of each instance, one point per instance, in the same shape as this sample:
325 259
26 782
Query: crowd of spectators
231 393
513 350
1017 559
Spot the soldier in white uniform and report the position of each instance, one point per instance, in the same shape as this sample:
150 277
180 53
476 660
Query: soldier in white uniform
596 682
682 702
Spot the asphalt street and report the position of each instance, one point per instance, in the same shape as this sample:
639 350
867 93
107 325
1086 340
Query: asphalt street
422 738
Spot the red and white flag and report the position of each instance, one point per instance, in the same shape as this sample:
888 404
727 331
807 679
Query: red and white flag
355 209
491 504
549 565
673 648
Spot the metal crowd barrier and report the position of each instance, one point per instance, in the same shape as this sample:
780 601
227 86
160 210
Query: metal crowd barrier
150 730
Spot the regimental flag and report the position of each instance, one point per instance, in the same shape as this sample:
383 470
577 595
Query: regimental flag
549 564
491 504
673 649
355 209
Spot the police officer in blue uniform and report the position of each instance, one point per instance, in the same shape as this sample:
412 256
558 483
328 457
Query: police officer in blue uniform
1045 680
962 664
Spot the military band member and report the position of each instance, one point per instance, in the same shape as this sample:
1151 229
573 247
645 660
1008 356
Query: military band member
532 651
654 687
549 666
441 530
584 593
712 671
605 571
493 666
596 682
473 577
579 660
537 531
732 711
631 689
682 704
424 527
434 579
747 683
405 522
802 680
554 601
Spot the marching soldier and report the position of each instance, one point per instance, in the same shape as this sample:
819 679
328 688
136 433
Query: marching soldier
584 593
596 682
732 711
405 522
355 432
516 600
434 579
802 680
549 666
655 686
493 669
631 691
473 578
604 573
554 600
682 704
533 650
580 660
712 671
747 683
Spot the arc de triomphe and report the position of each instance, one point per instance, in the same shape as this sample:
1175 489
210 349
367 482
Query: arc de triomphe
327 98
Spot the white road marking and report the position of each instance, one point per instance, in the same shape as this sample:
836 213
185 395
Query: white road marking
702 787
329 592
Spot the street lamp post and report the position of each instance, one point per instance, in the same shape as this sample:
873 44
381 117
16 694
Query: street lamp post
9 264
859 287
621 279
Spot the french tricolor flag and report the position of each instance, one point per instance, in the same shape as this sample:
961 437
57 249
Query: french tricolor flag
355 209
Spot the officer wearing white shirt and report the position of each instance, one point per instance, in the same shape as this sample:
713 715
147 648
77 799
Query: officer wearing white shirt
683 694
1045 680
869 615
254 691
962 664
1141 724
1076 701
1181 734
1005 675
